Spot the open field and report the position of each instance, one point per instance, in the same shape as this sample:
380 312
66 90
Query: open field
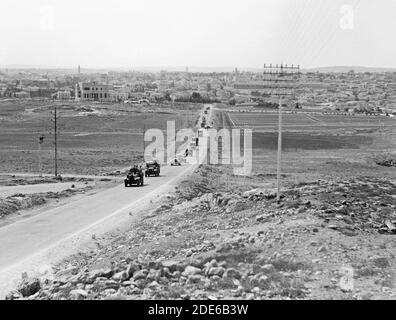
317 145
308 122
93 138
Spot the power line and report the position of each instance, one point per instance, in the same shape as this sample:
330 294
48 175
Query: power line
293 30
317 22
356 4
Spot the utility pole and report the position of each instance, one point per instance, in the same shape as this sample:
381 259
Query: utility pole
41 140
144 141
280 78
279 158
56 142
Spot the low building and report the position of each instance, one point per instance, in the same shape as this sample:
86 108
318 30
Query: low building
92 91
63 95
22 95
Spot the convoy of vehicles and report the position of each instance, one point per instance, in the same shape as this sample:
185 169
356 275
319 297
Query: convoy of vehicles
135 175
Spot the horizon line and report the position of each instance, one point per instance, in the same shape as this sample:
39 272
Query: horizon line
181 68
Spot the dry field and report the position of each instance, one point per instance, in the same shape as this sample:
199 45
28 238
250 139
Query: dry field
314 144
93 138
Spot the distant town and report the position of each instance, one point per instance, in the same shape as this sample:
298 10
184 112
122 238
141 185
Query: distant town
348 92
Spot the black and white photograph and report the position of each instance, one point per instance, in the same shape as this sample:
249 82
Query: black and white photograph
211 153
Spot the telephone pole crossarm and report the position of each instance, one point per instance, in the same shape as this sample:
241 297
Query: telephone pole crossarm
275 78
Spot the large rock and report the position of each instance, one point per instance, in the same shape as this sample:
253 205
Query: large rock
29 286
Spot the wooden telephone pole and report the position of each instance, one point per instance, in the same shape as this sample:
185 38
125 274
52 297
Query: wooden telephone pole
281 79
56 141
41 141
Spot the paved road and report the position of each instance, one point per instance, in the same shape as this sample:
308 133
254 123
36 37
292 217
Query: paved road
55 233
24 237
45 238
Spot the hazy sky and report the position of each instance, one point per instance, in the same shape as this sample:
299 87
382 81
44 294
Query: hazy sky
206 33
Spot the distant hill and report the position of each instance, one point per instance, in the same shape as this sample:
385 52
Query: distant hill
345 69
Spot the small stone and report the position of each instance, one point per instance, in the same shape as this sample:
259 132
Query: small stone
216 271
255 290
196 278
99 273
126 283
212 263
232 274
154 274
121 276
154 286
170 264
267 268
132 268
141 274
190 270
78 294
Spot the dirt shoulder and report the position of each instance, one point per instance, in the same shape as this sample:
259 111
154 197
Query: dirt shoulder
24 196
221 236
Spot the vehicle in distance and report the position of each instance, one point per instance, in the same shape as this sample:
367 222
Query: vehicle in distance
134 177
153 168
175 162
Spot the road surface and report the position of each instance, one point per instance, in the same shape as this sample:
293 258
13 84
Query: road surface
25 243
35 243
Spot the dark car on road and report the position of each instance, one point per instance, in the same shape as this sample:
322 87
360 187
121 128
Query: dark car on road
134 177
153 168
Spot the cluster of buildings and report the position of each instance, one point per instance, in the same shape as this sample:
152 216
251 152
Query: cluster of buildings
351 92
347 92
130 87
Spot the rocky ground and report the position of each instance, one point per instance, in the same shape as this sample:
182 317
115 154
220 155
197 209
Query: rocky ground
220 236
